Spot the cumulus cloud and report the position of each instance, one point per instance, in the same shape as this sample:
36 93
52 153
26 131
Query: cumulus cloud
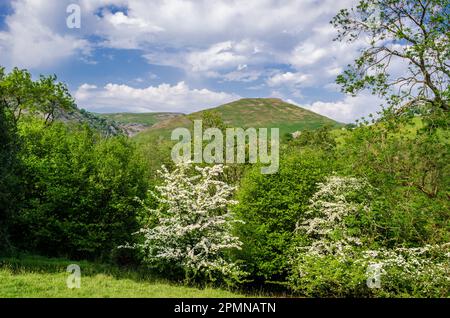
347 109
222 55
229 61
289 78
31 38
307 54
161 98
211 38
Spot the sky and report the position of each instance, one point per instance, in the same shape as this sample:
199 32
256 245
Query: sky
184 56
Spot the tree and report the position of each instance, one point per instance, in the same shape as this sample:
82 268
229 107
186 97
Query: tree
9 181
193 225
399 31
78 190
53 97
19 94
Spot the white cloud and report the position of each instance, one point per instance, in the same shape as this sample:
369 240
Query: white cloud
347 110
222 55
242 75
289 79
161 98
307 54
211 38
129 32
32 40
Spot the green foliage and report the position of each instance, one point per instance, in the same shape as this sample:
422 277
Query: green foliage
270 206
104 125
411 32
400 276
328 276
408 165
64 188
45 97
320 138
80 191
341 250
9 183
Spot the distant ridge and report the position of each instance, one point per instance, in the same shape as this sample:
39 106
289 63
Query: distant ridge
249 112
134 123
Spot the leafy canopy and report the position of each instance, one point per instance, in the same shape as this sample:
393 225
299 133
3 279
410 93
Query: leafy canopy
410 32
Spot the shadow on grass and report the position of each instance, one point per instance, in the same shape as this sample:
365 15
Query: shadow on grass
39 264
26 263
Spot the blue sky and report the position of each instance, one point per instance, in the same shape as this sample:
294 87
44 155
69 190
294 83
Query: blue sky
183 56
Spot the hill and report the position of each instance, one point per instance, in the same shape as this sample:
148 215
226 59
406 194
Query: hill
147 119
134 123
105 126
245 113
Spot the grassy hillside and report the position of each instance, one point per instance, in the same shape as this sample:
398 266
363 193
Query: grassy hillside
147 119
134 123
268 112
248 112
42 277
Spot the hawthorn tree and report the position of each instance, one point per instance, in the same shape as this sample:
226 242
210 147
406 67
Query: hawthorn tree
413 32
192 226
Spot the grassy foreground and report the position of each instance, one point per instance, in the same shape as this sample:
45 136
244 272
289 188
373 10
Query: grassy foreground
43 277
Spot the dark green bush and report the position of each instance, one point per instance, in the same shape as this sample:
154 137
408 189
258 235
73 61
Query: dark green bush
80 191
270 206
9 182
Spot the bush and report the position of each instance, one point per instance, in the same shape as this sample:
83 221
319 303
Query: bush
80 191
337 252
408 165
9 182
189 233
411 272
270 206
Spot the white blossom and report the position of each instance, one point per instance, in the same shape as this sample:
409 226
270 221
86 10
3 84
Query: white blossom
193 222
326 228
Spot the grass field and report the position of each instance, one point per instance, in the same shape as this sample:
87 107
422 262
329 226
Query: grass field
34 276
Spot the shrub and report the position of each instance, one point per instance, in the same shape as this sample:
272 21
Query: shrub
190 231
270 206
337 251
79 191
408 165
9 182
411 272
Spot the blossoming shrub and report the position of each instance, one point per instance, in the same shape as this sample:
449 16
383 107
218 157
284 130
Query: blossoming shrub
191 234
338 251
405 272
